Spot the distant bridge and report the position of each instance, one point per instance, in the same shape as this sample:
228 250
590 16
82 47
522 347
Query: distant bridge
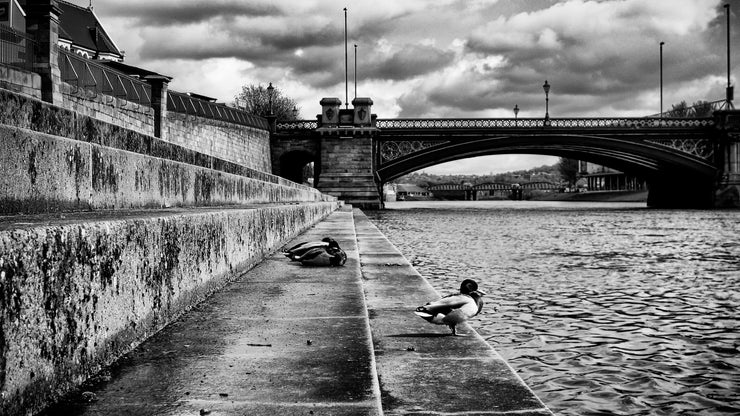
515 189
685 161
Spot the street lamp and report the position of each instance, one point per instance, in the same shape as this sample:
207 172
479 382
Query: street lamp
516 113
270 91
546 87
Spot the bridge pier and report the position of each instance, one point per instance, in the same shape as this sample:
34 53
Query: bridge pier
346 148
680 192
727 191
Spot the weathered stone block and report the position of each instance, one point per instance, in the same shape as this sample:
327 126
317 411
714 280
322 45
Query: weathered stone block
75 295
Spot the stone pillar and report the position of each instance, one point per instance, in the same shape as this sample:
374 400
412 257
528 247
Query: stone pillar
728 187
42 21
159 84
329 112
362 112
347 168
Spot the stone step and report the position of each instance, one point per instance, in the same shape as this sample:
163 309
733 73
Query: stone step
43 173
120 277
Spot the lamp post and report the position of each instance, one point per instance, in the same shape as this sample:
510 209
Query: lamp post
661 79
516 113
546 87
270 91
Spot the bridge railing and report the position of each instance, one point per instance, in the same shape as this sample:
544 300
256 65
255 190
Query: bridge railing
517 123
510 123
292 125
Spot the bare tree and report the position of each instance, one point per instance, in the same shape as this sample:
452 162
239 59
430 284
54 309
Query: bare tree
255 99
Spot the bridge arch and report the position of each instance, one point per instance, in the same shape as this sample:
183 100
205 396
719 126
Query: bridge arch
294 163
684 161
647 159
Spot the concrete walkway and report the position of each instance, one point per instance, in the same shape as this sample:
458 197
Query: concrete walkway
292 340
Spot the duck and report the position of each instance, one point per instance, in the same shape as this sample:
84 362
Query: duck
330 255
295 252
454 309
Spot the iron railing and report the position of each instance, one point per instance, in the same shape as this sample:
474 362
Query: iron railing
93 76
17 49
297 125
487 123
186 104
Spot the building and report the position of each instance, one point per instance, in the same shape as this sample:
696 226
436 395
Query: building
602 178
12 15
410 191
80 32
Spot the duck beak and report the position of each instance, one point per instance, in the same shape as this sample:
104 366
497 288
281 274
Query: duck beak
482 293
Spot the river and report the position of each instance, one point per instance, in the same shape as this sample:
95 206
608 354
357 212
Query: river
602 308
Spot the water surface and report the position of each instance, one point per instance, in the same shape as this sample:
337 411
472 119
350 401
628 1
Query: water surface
602 308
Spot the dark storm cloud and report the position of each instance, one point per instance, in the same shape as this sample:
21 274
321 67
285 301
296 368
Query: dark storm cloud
409 62
158 13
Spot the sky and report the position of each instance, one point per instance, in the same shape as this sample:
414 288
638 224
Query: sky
439 58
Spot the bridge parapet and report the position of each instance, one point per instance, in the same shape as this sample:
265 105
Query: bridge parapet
523 123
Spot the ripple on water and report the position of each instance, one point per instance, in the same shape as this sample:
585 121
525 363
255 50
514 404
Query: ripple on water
602 309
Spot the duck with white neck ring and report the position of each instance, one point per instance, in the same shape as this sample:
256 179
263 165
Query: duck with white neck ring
454 309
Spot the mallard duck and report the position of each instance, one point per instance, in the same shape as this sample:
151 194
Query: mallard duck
295 252
330 255
454 309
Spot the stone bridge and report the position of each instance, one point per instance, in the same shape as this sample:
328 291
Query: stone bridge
687 162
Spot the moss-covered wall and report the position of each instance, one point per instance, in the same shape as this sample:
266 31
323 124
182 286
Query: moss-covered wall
44 173
76 294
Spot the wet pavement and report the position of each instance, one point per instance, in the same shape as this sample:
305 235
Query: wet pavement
294 340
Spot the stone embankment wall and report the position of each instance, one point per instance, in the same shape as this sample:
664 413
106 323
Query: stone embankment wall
113 110
56 160
19 81
236 143
244 145
108 234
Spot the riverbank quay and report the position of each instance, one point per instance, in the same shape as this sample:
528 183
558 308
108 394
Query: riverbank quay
78 290
296 340
422 369
282 339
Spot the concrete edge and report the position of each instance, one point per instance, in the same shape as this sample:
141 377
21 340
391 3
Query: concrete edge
70 286
365 222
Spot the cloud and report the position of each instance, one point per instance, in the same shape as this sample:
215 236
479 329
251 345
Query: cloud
410 61
174 12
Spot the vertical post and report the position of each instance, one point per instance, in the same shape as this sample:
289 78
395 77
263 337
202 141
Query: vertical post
42 21
346 79
159 85
729 95
661 79
271 117
546 87
355 70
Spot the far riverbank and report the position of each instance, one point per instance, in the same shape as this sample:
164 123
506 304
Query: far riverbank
596 196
